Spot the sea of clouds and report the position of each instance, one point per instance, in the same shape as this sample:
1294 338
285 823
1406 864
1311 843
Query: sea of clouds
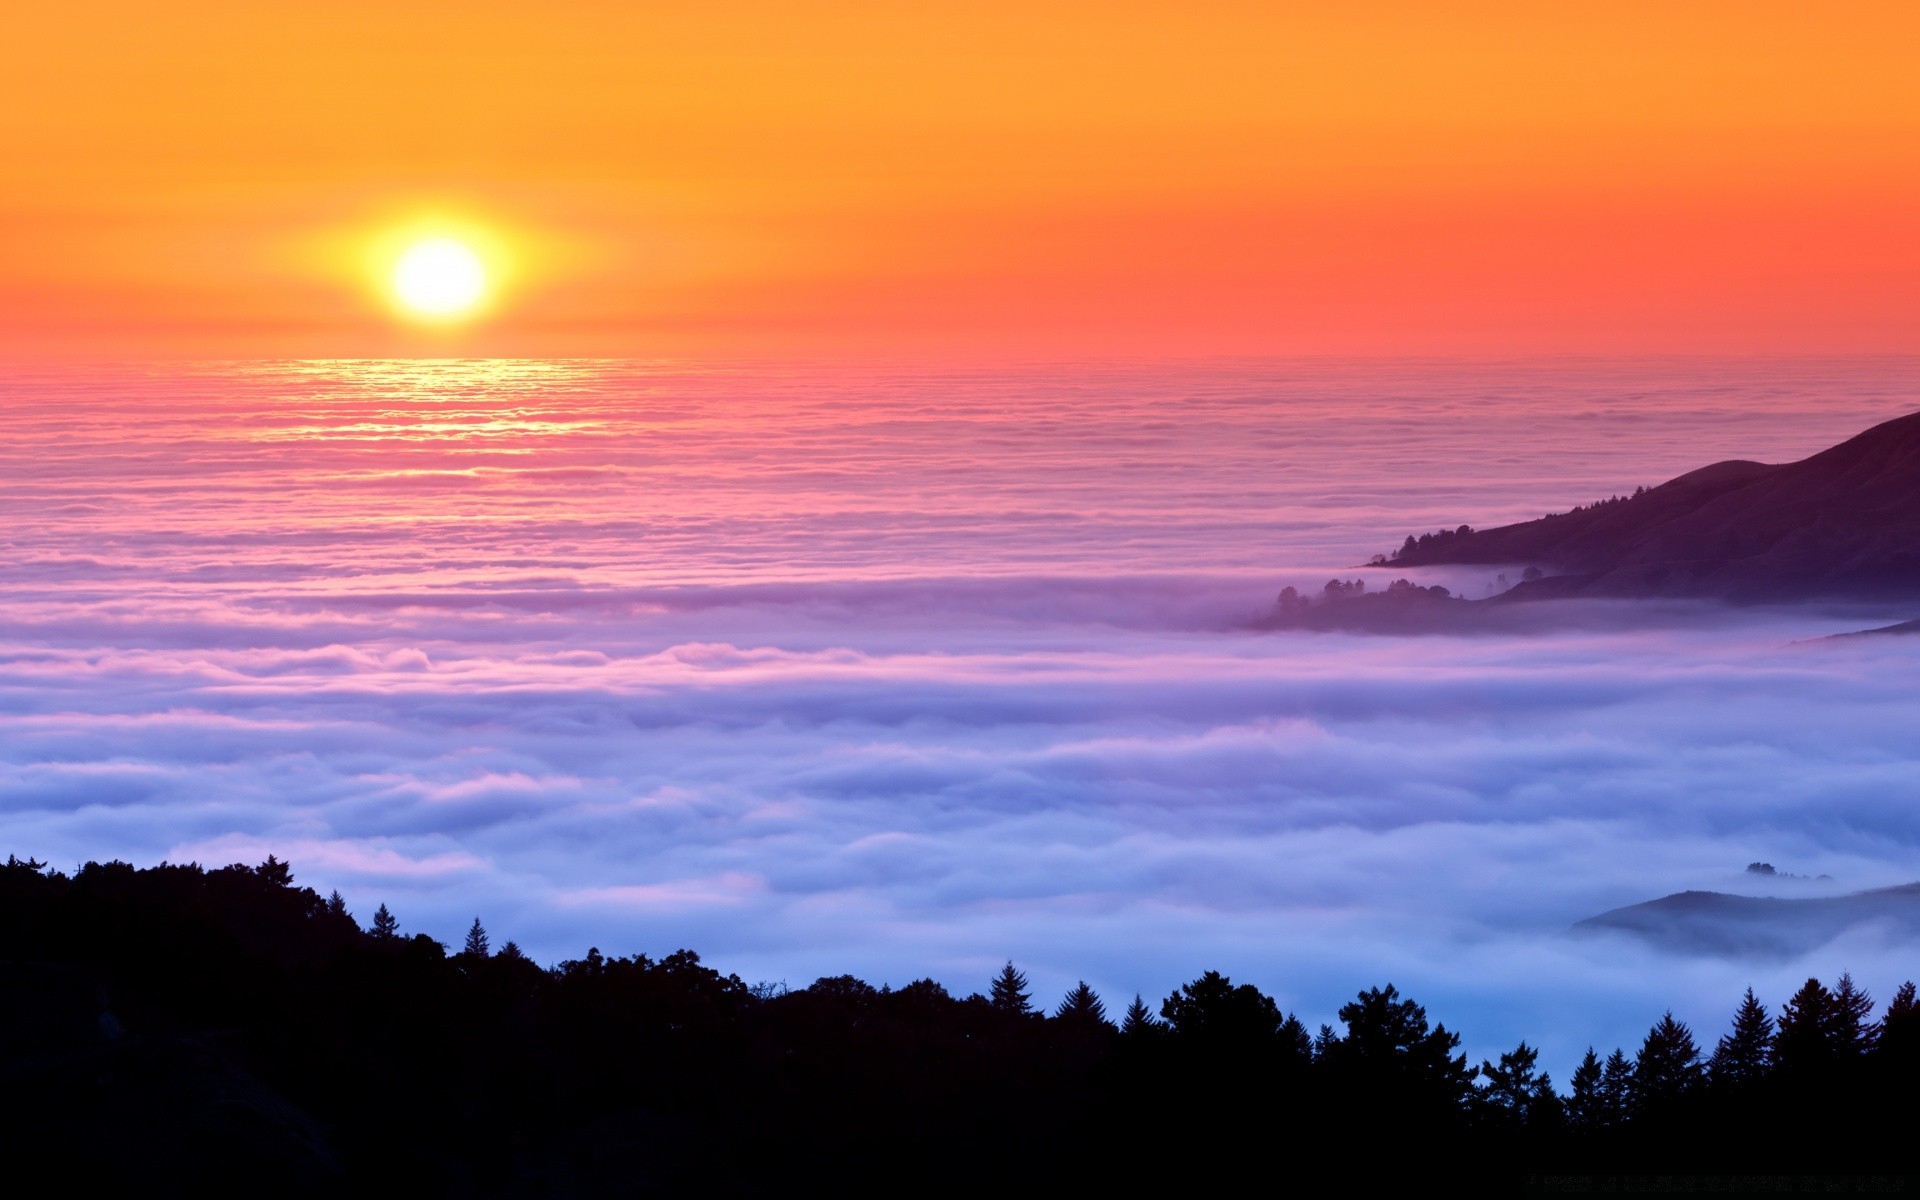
906 673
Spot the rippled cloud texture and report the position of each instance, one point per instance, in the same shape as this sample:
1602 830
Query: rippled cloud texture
905 674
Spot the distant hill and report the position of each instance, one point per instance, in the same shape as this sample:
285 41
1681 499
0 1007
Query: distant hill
1844 523
1754 926
1902 628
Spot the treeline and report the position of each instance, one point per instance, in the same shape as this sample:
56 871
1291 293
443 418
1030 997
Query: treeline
1423 546
1415 546
1292 602
177 1029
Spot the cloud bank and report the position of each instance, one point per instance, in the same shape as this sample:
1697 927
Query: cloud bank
907 678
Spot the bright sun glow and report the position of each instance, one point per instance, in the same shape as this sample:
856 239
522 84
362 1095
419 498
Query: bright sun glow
439 278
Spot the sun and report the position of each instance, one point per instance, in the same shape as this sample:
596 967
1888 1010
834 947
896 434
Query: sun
439 279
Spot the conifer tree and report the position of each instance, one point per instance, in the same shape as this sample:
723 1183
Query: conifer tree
1585 1105
1667 1066
1082 1006
337 906
1323 1041
1803 1036
1743 1056
512 952
1009 992
1854 1031
1616 1088
1900 1027
384 924
1295 1041
1139 1021
476 940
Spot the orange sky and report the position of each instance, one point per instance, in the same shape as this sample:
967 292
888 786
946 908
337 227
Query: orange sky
1029 179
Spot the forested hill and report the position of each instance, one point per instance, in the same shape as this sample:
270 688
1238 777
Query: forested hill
1843 523
175 1031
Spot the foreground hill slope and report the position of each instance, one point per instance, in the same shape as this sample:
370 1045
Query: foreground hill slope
1843 523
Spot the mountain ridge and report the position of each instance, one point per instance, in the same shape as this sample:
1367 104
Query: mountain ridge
1723 923
1843 524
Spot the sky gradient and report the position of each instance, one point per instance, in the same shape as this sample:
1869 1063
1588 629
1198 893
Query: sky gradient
981 179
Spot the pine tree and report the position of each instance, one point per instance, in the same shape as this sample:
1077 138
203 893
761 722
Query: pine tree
1900 1027
1083 1007
337 906
1009 993
1323 1041
1667 1066
1743 1057
1854 1031
1585 1107
1616 1088
1295 1041
1803 1037
1139 1021
384 924
476 940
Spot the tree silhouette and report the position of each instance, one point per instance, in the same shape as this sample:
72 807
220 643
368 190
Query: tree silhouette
1745 1055
1854 1032
1323 1041
275 873
360 1052
1389 1056
1082 1007
1516 1094
855 994
1616 1088
1803 1039
1667 1066
1211 1009
1586 1108
1009 993
1295 1041
1139 1021
1900 1027
337 906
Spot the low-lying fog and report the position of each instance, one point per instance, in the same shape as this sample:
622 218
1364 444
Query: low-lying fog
910 675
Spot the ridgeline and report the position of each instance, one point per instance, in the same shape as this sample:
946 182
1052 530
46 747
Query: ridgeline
1843 524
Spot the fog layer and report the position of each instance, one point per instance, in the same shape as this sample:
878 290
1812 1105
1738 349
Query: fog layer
907 674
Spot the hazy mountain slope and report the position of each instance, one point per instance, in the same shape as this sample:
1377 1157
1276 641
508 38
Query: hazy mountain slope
1717 923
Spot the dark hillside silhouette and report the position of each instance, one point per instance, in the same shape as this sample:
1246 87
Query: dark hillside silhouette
177 1030
1843 523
